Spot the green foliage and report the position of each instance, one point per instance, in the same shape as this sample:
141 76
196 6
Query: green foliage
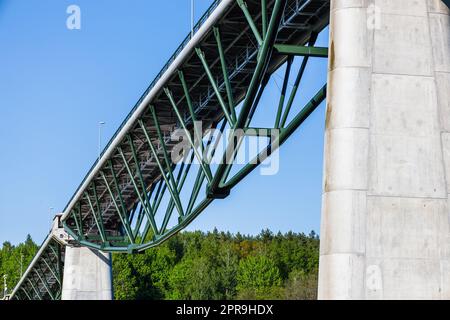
14 260
218 265
301 286
258 277
197 265
258 272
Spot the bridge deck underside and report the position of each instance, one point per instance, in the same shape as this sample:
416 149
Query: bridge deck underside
114 209
219 81
43 279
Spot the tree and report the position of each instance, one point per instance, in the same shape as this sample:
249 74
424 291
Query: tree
198 265
301 286
259 275
11 258
178 280
228 270
125 282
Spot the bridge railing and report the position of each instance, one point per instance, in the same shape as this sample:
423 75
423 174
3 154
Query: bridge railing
221 59
180 48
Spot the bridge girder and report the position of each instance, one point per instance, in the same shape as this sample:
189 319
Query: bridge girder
100 223
128 198
43 279
121 206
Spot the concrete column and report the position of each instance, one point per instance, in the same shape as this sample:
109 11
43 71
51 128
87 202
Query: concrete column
386 211
87 275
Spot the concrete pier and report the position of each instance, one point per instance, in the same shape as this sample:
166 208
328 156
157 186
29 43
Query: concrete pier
87 275
386 211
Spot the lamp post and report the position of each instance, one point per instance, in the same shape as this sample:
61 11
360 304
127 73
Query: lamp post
192 17
51 213
100 124
5 286
21 265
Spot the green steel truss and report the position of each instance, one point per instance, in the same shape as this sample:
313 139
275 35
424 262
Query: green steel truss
221 84
140 197
43 278
137 196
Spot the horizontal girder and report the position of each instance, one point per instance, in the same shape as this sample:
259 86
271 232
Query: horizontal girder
223 72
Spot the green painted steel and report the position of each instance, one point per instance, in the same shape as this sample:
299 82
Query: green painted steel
121 213
302 50
226 77
250 21
150 141
217 186
206 169
129 204
43 278
283 91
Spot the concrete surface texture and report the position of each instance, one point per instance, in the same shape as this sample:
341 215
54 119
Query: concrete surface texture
87 275
385 217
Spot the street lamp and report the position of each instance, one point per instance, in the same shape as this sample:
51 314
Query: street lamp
100 124
5 286
20 262
51 213
192 17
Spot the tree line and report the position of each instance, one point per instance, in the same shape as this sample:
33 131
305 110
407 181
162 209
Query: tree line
198 265
223 266
14 260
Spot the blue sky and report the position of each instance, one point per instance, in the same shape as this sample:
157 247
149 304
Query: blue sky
57 84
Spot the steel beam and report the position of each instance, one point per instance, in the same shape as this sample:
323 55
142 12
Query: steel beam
220 82
122 215
303 51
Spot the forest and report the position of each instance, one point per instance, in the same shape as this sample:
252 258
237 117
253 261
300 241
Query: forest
198 265
14 260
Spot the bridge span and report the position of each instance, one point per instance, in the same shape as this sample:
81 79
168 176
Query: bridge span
216 77
385 218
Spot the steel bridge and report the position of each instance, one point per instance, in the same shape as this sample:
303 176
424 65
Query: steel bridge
137 194
217 76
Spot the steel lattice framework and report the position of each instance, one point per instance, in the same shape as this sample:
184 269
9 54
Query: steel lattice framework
218 76
219 82
136 196
43 278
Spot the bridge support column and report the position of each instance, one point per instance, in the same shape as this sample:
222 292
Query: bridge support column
87 275
386 209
